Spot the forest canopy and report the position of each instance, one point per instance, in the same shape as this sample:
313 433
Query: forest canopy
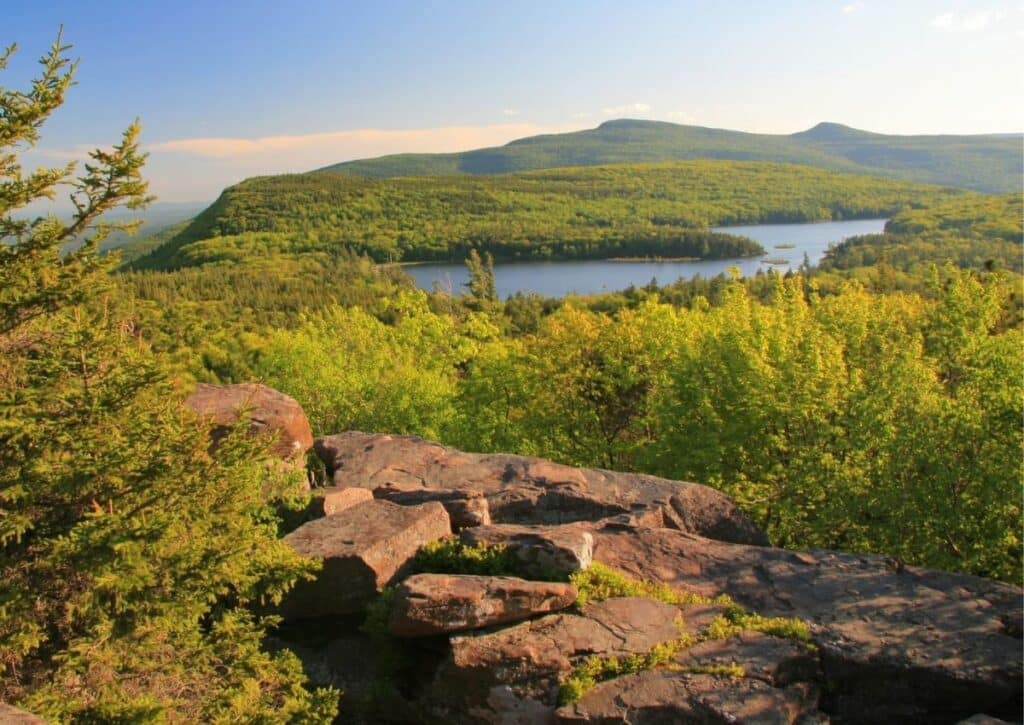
662 209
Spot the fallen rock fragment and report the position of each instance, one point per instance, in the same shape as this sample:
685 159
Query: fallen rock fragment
543 551
428 604
466 508
335 499
364 548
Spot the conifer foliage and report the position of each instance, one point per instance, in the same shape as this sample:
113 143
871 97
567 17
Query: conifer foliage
129 553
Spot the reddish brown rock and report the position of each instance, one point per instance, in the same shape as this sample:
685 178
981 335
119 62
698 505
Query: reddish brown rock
466 508
364 548
543 551
655 697
10 715
774 660
532 491
513 673
897 643
335 500
271 414
427 604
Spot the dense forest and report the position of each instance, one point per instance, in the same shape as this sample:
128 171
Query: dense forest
835 404
609 211
989 163
871 405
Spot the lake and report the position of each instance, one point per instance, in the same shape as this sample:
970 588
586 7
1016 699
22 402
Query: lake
556 279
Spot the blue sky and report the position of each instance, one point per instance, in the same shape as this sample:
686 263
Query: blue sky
228 89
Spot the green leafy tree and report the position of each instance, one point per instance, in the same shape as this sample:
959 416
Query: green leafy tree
128 552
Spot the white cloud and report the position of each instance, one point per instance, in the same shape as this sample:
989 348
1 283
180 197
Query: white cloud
967 22
684 116
853 7
511 112
583 114
628 108
190 169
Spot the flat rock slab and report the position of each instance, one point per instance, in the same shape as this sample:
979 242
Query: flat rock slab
364 548
773 660
516 672
656 697
335 499
531 490
896 643
466 508
543 551
429 604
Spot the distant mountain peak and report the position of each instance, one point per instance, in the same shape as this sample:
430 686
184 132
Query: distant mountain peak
831 131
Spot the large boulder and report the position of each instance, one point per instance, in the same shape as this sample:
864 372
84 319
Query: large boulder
897 643
364 548
427 604
270 414
530 490
544 552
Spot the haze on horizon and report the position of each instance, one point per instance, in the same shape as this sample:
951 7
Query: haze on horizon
230 90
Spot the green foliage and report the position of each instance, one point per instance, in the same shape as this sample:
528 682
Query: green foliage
128 551
593 670
985 163
600 582
451 556
659 210
735 620
981 233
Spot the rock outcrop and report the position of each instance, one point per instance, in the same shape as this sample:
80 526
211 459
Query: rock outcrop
869 639
428 604
270 413
364 548
530 490
897 643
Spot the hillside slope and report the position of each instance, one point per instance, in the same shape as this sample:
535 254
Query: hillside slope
989 163
662 209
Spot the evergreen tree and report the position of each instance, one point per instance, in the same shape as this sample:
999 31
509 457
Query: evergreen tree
128 551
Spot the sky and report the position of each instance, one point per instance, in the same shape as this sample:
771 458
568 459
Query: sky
227 89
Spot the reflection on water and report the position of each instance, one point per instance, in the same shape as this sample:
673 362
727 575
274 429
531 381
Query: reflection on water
785 246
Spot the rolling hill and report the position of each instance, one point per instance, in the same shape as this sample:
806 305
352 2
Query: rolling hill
989 163
654 209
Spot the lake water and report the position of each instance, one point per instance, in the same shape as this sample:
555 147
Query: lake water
556 279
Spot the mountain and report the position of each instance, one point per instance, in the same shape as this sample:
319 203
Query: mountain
989 163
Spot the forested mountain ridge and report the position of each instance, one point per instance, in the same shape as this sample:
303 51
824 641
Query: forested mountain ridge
656 209
988 162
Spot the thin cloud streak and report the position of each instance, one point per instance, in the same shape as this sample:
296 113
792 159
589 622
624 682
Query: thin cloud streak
339 145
